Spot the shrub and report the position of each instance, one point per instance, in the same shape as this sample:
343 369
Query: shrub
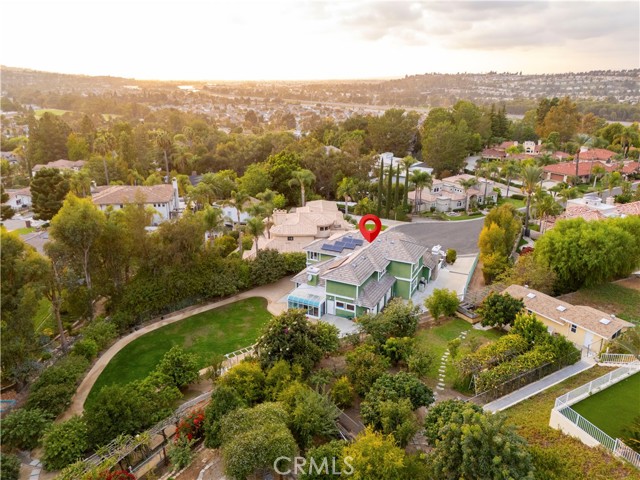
248 379
269 266
294 261
442 302
398 349
441 414
86 348
342 393
420 362
329 454
451 256
398 419
64 443
23 428
191 426
224 399
500 309
517 196
9 466
399 319
101 331
180 453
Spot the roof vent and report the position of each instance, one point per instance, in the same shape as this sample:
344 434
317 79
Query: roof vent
531 295
560 308
605 321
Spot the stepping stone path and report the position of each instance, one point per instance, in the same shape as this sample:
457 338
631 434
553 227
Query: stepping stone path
443 364
37 468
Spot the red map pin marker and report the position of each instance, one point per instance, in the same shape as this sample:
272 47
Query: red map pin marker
370 235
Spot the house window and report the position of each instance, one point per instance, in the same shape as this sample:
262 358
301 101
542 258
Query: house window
340 305
290 239
574 328
351 307
314 255
324 229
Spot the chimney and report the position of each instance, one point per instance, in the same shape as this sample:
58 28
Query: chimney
93 188
174 182
584 149
610 200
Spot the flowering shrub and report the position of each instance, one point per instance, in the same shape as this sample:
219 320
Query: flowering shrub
191 426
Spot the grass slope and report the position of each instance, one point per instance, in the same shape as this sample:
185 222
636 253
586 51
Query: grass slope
221 330
609 297
613 409
559 456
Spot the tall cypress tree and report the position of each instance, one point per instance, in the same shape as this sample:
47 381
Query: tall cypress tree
397 193
380 180
389 193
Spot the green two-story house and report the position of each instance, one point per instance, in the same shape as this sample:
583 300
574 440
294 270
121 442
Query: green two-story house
347 277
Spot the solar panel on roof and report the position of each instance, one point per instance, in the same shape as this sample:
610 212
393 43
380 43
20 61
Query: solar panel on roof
358 242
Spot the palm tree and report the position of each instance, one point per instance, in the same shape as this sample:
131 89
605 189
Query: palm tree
583 140
238 199
421 180
488 170
303 178
545 159
530 177
104 144
347 189
80 183
266 201
466 185
406 163
255 227
596 171
545 206
567 194
611 180
510 170
212 218
626 138
163 141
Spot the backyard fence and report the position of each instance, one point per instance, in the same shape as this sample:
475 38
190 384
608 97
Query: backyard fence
595 435
617 358
524 379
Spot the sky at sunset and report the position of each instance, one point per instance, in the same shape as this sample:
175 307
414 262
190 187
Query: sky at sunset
340 39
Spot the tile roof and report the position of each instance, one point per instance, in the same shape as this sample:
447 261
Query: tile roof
62 164
120 194
632 208
585 317
597 154
373 291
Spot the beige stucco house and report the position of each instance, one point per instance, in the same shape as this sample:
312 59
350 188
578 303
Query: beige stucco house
448 194
586 327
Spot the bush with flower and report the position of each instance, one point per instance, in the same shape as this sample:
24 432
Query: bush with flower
191 426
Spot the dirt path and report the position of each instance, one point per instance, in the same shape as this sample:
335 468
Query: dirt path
272 293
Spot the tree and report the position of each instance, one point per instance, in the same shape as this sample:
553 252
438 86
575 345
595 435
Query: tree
612 180
256 438
342 392
397 418
375 456
238 200
47 140
597 171
64 443
325 461
573 250
248 379
256 179
364 367
10 463
389 191
179 366
48 190
302 178
581 140
78 226
441 414
545 206
7 212
291 337
347 189
311 414
255 227
466 184
56 279
224 399
530 177
562 118
500 309
421 180
164 142
399 319
530 328
105 144
442 302
394 131
477 445
445 146
509 171
528 271
506 217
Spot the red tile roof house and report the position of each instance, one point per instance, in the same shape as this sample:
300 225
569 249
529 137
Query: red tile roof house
601 154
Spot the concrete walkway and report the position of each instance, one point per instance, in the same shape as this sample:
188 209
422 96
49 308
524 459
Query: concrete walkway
539 386
272 293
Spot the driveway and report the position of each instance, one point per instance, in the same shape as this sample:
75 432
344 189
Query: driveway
461 235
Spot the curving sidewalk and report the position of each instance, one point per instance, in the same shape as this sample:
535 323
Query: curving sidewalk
273 293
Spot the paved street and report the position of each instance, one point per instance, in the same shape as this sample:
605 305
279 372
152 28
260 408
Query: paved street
461 235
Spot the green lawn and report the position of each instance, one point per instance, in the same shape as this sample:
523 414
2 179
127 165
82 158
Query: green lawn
564 457
222 330
464 216
435 340
613 409
24 230
513 201
54 111
610 298
44 317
